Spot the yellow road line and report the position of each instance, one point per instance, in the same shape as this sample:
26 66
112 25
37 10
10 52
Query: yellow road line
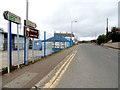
53 82
60 76
56 74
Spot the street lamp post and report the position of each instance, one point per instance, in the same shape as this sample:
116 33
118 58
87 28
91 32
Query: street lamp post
72 30
71 25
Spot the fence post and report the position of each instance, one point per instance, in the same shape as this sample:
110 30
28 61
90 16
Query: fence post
32 49
18 47
44 43
60 37
54 42
70 43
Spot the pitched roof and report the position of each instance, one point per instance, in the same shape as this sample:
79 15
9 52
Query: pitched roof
57 38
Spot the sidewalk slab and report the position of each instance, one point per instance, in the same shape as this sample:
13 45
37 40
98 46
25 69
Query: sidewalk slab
37 71
115 45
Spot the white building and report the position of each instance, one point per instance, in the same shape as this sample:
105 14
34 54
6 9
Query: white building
3 40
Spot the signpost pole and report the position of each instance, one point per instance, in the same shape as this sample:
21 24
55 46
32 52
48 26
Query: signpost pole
18 45
9 47
25 39
24 45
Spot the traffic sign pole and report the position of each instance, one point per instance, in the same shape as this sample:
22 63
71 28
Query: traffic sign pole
25 39
27 8
25 46
9 47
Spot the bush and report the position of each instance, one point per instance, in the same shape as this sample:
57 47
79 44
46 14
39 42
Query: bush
102 39
114 35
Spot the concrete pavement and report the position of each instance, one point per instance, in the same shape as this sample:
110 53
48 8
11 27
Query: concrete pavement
92 67
30 75
115 45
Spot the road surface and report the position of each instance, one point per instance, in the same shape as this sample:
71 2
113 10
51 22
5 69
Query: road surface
92 67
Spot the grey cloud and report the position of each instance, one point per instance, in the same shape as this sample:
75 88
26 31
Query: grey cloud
91 17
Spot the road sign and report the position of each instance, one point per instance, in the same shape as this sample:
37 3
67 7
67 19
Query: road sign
29 23
12 17
33 33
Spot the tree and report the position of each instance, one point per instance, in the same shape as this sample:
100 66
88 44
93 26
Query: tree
102 39
114 35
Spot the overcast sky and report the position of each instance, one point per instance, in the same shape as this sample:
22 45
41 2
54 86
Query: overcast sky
56 15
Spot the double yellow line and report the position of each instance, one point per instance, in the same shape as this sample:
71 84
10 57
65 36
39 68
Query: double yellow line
55 80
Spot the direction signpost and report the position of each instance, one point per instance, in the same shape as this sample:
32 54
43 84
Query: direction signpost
15 19
12 17
31 32
29 23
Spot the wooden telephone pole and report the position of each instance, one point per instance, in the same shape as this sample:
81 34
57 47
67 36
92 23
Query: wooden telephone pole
107 28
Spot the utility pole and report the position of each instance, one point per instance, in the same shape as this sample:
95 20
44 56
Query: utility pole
25 39
107 28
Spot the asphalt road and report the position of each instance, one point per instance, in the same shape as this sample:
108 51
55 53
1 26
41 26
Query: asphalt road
92 67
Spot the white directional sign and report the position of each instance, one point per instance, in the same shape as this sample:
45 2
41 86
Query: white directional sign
12 17
29 23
